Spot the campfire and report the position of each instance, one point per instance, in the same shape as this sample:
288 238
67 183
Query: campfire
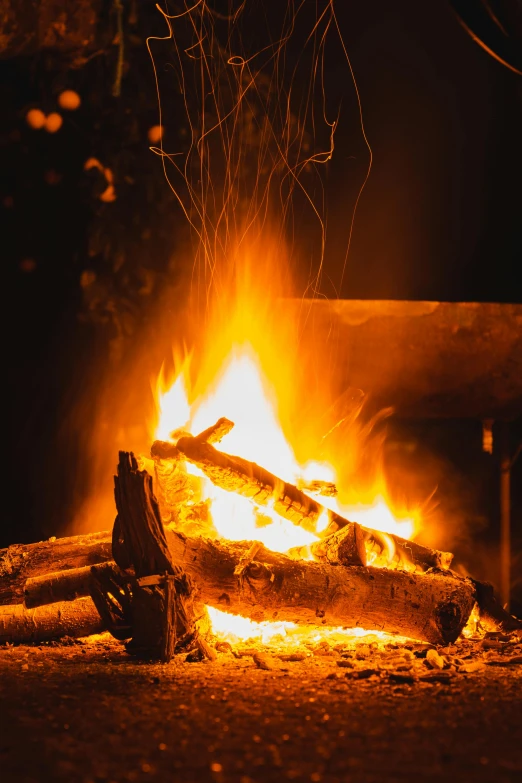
217 542
247 515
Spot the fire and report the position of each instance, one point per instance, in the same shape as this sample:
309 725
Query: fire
241 391
246 361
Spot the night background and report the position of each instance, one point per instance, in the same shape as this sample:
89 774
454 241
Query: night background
440 219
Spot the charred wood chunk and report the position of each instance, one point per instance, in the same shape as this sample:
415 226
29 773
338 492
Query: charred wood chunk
491 611
162 613
346 547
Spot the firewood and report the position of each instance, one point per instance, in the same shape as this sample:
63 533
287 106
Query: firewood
235 474
61 585
431 607
163 617
491 611
345 547
316 487
407 554
216 432
75 618
20 562
174 487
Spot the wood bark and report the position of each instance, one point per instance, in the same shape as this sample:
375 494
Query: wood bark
432 607
20 562
406 554
163 617
187 551
345 547
235 474
492 613
248 579
62 585
74 618
177 491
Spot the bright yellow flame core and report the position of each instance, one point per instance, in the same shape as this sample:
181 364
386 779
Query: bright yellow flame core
242 393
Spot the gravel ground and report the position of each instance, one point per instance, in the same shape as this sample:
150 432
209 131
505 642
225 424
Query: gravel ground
87 712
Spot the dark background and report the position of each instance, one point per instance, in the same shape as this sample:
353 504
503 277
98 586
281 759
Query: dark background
440 219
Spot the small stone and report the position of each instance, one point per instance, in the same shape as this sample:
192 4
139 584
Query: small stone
434 660
421 650
400 677
436 676
264 661
362 674
515 660
223 647
346 663
471 667
292 656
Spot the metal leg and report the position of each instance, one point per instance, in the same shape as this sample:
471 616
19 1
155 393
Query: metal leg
505 516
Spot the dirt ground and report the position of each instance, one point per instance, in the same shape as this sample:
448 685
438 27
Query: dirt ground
88 712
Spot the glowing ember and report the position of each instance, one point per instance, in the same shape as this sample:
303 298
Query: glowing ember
233 628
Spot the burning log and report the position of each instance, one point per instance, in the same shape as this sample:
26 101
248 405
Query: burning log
75 619
197 555
316 487
20 562
431 607
236 474
216 432
492 613
174 486
345 547
248 579
406 552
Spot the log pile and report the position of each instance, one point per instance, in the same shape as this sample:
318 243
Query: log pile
148 584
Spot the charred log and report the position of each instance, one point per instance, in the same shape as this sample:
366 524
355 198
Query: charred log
235 474
389 550
346 547
74 618
431 607
325 488
248 579
491 611
62 585
163 617
20 562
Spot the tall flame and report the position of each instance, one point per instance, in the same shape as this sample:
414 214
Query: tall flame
241 392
